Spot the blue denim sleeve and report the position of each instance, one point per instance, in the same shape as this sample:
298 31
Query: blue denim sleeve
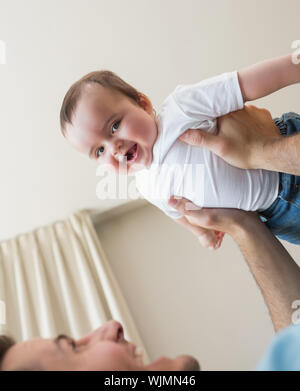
284 352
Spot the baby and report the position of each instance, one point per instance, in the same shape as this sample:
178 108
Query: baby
110 121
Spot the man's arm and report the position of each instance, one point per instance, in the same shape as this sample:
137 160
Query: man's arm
249 139
268 76
276 273
281 155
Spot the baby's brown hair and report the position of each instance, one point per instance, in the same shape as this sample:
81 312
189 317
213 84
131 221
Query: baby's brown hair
106 79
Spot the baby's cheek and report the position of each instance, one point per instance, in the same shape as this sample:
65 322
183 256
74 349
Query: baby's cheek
143 129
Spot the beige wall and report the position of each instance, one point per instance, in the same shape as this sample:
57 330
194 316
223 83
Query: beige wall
184 298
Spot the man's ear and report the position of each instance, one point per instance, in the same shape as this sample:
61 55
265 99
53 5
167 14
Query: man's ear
145 103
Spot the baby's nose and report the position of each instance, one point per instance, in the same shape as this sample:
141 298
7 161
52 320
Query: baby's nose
116 148
118 151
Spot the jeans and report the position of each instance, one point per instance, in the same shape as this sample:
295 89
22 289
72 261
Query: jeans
283 216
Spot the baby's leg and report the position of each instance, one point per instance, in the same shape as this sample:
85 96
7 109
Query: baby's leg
283 216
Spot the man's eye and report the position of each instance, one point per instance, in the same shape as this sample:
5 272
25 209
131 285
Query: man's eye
73 345
115 126
99 152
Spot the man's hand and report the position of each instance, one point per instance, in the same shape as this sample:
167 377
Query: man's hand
220 220
275 272
208 238
241 138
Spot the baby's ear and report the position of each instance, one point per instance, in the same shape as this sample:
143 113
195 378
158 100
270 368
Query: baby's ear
145 103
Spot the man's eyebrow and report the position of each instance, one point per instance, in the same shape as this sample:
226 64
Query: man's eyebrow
65 337
104 126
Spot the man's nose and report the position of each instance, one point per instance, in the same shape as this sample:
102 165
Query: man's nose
114 331
111 330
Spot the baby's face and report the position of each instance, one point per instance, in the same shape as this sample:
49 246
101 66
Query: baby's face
110 128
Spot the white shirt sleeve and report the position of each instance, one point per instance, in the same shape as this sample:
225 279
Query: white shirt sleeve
210 98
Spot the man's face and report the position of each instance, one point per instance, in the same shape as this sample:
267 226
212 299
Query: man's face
104 349
111 128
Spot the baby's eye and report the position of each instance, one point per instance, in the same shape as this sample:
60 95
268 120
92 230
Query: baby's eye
99 151
115 126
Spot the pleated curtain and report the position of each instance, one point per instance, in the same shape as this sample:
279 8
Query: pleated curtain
56 279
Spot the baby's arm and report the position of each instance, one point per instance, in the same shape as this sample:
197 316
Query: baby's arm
267 77
208 238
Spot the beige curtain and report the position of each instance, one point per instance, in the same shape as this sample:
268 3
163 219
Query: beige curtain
57 279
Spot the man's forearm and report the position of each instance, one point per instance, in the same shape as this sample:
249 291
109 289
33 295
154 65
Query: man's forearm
276 273
281 154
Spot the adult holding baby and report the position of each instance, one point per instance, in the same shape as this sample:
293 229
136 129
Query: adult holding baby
112 122
276 273
249 138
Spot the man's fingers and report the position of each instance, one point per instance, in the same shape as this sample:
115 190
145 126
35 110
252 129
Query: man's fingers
183 205
209 239
220 236
192 137
251 112
253 108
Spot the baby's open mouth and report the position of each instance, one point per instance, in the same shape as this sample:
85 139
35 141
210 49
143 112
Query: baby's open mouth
131 154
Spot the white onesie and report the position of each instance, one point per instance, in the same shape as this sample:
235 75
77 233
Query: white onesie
194 172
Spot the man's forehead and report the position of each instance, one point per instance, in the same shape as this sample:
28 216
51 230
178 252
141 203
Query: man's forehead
36 344
33 349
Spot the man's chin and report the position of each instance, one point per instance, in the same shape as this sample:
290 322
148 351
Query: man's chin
180 363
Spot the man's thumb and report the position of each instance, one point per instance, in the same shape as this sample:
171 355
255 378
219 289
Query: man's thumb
183 205
197 138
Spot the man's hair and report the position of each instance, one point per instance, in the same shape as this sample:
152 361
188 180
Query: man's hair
106 79
5 344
